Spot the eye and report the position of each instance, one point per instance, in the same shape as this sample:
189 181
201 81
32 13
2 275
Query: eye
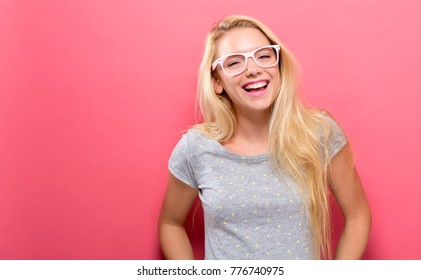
266 54
233 61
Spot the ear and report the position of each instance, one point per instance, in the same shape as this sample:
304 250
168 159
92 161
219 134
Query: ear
217 86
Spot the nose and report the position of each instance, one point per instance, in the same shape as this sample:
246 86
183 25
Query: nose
252 67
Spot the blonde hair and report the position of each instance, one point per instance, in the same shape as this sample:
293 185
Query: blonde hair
295 132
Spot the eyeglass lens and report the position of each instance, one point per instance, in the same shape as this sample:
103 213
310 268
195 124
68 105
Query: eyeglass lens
236 63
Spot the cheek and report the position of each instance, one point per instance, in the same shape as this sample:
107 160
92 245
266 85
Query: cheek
278 84
230 86
277 80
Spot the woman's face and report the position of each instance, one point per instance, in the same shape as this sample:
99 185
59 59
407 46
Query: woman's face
255 89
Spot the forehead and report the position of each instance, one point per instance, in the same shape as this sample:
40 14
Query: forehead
243 39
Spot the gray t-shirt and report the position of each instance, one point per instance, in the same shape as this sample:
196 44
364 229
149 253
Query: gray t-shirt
251 211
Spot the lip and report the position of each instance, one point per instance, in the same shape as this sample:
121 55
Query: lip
256 93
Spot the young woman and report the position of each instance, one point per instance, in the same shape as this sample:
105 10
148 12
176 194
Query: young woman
262 163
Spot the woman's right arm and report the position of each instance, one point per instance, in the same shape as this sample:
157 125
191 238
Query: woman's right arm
178 201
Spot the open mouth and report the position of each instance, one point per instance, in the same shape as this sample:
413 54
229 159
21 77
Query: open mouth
256 87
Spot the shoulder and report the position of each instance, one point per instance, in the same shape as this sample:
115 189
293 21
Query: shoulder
333 134
328 122
327 116
331 119
194 136
193 140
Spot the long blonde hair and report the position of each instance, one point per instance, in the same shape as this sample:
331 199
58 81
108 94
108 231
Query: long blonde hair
295 132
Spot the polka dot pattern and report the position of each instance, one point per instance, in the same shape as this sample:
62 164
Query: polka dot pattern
251 211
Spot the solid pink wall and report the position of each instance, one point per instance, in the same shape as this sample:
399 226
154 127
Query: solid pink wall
94 95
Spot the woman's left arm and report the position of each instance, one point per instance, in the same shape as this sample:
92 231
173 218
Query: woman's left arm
349 193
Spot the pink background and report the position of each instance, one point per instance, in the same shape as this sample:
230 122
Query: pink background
94 94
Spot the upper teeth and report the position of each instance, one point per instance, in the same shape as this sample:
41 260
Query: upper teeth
256 85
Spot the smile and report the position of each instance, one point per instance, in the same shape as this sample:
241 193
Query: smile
256 88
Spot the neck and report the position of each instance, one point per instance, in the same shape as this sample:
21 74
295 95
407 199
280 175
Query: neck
251 135
253 127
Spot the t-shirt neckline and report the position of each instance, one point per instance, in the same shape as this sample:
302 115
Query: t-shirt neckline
235 155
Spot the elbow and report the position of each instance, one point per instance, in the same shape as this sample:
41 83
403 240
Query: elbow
360 220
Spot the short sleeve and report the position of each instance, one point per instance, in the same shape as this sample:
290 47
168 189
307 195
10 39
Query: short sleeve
337 138
179 163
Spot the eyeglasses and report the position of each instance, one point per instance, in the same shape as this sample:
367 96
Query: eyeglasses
236 63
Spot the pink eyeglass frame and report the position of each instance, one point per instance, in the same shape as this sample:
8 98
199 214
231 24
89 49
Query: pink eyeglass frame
221 59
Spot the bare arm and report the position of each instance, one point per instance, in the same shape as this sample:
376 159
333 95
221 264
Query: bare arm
178 200
349 193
